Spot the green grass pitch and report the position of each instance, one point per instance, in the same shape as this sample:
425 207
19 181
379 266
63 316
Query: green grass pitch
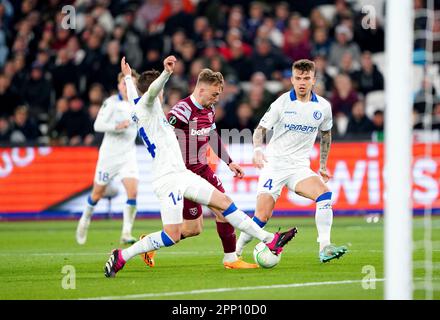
33 255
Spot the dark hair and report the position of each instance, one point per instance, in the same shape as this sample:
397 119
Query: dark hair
304 65
145 80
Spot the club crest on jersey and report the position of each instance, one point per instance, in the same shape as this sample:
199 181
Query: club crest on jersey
211 117
317 115
193 211
134 117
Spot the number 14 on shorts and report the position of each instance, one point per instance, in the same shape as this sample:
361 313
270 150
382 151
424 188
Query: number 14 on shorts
175 200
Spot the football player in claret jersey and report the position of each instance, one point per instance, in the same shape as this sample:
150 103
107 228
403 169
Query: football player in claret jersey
172 181
295 118
117 156
194 121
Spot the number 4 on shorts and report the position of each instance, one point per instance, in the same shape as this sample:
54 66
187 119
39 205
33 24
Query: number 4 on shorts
268 184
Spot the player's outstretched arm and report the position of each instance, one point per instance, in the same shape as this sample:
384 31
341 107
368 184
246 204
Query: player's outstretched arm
326 140
157 85
132 93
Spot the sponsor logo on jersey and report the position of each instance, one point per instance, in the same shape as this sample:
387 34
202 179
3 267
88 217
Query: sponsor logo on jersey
317 115
290 112
201 132
300 128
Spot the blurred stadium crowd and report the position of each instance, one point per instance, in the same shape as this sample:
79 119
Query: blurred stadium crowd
53 80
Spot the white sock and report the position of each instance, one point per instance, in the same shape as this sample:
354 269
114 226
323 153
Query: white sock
128 217
230 257
324 220
238 219
88 211
151 242
90 207
245 238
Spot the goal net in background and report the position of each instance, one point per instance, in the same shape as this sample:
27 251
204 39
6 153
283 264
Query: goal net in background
426 125
412 142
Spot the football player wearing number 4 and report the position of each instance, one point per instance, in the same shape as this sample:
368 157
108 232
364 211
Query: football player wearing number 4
117 156
172 181
295 118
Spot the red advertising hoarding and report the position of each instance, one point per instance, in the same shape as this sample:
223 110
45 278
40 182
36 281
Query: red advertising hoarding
37 180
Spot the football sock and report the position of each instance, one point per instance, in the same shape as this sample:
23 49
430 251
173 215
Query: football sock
90 207
151 242
226 233
240 220
128 217
324 219
245 238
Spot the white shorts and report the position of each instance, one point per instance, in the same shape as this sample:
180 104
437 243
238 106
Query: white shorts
108 168
272 181
172 188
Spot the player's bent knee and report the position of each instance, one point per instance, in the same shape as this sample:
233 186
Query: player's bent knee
220 201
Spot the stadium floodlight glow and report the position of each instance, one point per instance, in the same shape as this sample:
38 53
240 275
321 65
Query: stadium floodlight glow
398 150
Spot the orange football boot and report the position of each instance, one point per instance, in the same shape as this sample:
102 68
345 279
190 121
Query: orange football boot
148 257
240 264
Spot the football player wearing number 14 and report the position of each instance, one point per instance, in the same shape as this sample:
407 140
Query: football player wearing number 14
194 121
172 181
295 118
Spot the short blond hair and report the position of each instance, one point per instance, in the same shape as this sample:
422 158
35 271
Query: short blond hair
210 77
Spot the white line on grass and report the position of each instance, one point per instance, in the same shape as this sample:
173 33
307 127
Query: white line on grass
275 286
100 253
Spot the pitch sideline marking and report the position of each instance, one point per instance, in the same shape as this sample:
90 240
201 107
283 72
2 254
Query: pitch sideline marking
276 286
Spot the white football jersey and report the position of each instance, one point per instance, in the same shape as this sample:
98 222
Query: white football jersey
155 131
117 144
295 125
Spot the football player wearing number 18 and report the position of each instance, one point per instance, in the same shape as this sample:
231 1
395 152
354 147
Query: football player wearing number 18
117 156
295 118
172 181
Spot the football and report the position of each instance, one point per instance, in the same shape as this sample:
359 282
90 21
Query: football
264 257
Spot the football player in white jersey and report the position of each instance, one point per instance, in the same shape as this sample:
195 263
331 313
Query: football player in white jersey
172 181
117 156
295 118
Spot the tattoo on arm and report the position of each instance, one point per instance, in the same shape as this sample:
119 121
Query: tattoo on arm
258 137
326 139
